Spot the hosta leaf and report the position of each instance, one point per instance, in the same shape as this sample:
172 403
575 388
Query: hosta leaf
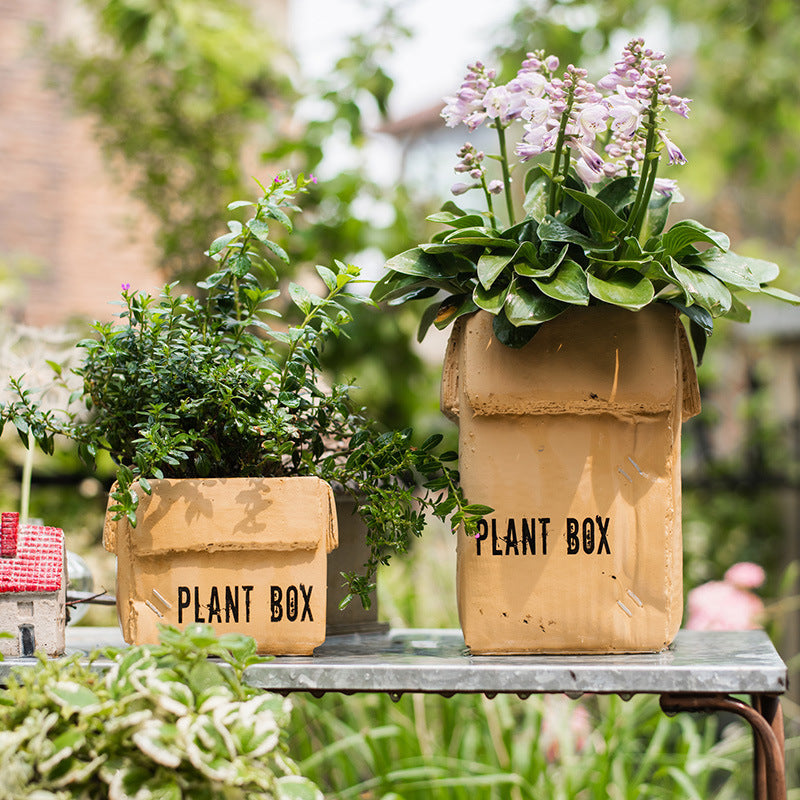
490 266
524 307
511 335
618 194
535 203
599 217
490 300
414 262
453 308
552 230
468 221
568 284
739 311
655 217
688 232
732 269
702 288
480 237
626 288
780 294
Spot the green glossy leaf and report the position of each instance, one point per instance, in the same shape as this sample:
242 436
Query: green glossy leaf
739 311
511 335
453 308
764 271
655 217
731 268
568 284
626 288
491 266
552 230
781 294
490 300
535 203
328 277
414 262
301 297
482 238
618 194
524 307
688 232
702 288
599 217
468 221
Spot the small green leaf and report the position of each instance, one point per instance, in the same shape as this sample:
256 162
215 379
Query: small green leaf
702 288
328 277
626 288
688 232
490 300
568 284
600 217
781 294
491 266
524 307
414 262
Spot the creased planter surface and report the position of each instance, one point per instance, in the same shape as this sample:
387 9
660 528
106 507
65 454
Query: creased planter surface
574 440
244 554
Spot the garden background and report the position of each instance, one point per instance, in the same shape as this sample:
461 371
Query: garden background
126 126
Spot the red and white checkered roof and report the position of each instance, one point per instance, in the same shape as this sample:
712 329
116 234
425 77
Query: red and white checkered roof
37 563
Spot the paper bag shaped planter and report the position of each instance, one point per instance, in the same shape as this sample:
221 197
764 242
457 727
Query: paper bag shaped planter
574 440
246 555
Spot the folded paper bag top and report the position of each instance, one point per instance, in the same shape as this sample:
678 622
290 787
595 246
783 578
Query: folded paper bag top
243 554
574 440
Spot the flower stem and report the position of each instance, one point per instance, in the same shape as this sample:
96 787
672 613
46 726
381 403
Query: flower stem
501 135
555 184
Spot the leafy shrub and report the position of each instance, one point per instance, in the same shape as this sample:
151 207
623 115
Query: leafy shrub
157 723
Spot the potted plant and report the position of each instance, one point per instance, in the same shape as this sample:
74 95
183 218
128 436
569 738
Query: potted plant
226 441
568 369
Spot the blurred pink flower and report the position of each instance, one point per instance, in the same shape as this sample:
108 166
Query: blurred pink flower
745 575
563 720
727 605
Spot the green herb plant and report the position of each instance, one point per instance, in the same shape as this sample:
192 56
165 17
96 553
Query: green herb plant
153 722
220 384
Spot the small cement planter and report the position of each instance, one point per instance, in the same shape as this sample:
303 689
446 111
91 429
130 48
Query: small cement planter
247 555
574 440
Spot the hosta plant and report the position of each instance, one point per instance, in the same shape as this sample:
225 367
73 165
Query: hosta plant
593 227
225 382
150 722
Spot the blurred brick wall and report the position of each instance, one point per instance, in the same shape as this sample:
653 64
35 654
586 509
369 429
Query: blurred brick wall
60 211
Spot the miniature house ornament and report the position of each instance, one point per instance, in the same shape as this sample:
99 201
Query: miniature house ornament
33 588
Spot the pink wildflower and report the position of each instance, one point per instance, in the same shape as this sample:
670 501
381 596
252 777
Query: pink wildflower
745 575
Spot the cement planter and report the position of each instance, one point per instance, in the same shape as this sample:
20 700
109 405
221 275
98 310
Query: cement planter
574 440
247 555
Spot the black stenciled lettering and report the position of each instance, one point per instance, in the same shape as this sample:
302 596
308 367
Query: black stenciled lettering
511 538
247 590
573 543
197 617
528 537
588 536
184 601
496 551
213 605
603 529
483 533
275 603
306 603
231 604
291 603
543 524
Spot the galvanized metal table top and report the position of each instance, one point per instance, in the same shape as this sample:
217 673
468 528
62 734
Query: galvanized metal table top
422 660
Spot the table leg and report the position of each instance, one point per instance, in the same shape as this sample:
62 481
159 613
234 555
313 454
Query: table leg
766 720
